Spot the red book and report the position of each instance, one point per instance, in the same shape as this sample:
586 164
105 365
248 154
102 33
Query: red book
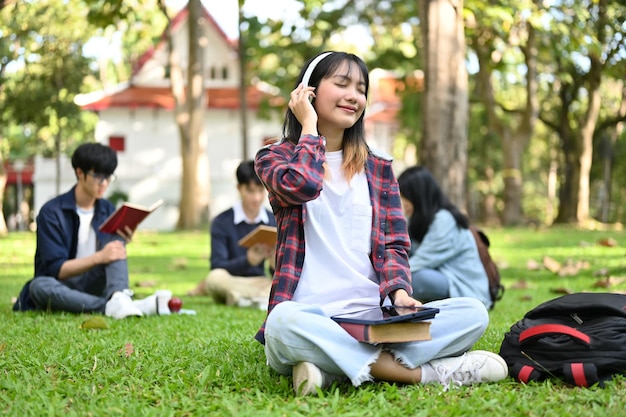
127 215
389 332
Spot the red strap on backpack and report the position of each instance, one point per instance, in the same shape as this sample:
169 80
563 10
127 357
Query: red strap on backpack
541 330
524 373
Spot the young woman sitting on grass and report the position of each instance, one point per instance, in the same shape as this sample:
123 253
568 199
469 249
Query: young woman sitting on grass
343 242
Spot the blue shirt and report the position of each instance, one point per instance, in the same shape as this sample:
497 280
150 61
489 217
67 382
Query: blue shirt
57 237
57 231
452 251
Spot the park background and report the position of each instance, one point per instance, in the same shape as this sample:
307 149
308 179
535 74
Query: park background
520 116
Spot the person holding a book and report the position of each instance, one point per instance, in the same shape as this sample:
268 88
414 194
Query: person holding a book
343 244
444 259
78 268
238 274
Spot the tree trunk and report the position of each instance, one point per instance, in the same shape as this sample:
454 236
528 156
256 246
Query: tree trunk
243 102
586 137
552 186
570 175
513 146
608 157
490 212
444 140
57 164
3 182
515 128
188 111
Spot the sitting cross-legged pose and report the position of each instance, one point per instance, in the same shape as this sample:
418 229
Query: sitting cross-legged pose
237 276
343 242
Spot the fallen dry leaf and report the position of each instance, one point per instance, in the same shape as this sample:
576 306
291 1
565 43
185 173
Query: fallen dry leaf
568 271
578 264
179 263
502 264
522 284
608 242
551 265
561 290
533 265
127 350
608 282
604 272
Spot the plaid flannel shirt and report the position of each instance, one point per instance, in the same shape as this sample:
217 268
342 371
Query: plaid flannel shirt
293 175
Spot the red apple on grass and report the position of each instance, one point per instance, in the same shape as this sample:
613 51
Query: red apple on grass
175 304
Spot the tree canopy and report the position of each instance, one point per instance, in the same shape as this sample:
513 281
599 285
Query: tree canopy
545 88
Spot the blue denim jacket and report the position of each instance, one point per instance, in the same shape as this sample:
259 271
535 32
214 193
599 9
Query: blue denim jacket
57 238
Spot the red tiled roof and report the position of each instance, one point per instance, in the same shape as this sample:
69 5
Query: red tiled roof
26 175
153 97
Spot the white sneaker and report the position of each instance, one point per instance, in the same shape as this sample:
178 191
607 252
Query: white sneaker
120 306
308 377
470 368
155 304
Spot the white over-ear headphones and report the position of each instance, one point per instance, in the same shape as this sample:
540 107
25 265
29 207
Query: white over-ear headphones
309 70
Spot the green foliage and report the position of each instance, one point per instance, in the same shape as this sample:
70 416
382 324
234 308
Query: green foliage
44 69
140 24
570 35
276 50
209 364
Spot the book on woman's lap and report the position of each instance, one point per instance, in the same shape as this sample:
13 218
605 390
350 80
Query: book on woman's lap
128 214
388 324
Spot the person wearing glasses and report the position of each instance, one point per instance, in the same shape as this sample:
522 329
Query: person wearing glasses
79 269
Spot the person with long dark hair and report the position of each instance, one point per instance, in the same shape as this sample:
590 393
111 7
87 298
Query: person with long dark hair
444 259
342 243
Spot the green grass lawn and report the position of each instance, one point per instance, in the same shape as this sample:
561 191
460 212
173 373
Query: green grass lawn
209 364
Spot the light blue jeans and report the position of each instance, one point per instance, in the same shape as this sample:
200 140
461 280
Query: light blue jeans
298 332
429 285
84 293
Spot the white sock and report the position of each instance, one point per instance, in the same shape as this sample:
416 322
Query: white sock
155 303
428 374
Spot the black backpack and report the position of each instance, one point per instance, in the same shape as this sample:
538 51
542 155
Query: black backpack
579 338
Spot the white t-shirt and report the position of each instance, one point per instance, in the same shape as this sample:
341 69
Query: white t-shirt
337 273
86 234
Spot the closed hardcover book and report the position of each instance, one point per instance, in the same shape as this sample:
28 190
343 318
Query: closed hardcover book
127 214
389 332
261 234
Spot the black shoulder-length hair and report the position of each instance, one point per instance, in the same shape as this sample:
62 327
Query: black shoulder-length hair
420 188
324 69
